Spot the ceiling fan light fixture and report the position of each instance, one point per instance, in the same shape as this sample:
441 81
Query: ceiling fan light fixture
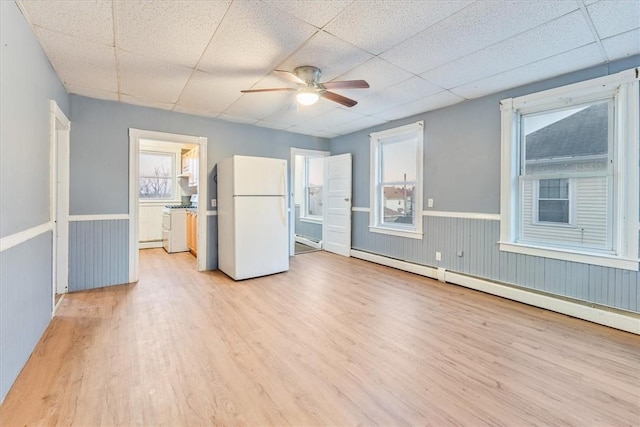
307 96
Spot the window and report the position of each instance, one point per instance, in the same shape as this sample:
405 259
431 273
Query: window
553 204
396 181
313 179
569 181
157 176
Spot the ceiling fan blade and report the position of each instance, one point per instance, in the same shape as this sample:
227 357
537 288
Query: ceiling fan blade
275 89
331 96
290 76
346 84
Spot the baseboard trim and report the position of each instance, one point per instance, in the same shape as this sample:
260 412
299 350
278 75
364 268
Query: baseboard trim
625 322
20 237
150 245
308 242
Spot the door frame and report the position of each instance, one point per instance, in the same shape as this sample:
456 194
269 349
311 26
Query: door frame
60 132
292 188
134 199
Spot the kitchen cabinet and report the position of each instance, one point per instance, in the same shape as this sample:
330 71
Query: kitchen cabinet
191 166
192 232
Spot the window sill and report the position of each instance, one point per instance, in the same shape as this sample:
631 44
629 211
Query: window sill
396 232
571 255
311 220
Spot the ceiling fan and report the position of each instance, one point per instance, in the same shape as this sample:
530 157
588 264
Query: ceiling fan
309 88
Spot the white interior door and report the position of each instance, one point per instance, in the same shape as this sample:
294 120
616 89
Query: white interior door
336 217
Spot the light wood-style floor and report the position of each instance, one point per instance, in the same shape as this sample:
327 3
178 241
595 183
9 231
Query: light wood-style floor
334 341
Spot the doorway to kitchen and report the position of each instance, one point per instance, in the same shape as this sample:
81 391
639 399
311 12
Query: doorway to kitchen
306 200
168 174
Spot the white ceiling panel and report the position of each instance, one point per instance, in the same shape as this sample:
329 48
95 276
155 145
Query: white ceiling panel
560 64
178 33
378 73
332 55
316 13
401 93
359 124
622 45
151 80
612 17
253 37
473 28
196 56
87 20
541 42
433 102
206 92
80 63
135 100
259 106
375 26
92 93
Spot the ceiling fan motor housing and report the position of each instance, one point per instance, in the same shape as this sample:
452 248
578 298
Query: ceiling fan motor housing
311 75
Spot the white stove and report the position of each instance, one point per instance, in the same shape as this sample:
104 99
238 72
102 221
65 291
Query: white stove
174 228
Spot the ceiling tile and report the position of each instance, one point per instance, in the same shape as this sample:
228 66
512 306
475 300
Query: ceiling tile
206 92
566 62
401 93
433 102
612 17
335 117
194 111
332 55
236 119
92 93
178 33
359 124
80 63
541 42
375 26
259 106
149 79
272 125
378 73
315 12
298 114
86 20
253 38
473 28
135 100
622 45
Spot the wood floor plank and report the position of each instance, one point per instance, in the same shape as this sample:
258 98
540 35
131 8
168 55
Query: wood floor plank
334 341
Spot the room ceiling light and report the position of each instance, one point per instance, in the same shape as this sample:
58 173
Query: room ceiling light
307 96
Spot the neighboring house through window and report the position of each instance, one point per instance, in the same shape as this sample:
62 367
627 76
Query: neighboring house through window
570 172
396 181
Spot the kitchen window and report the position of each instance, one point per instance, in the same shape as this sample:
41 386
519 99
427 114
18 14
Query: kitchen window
570 172
157 176
396 181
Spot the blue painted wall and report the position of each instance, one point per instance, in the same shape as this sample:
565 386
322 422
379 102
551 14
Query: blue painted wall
462 175
100 154
28 84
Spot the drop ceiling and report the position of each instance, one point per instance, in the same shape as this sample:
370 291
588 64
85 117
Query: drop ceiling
195 56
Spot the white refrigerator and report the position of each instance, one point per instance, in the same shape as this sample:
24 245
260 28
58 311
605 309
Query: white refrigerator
253 232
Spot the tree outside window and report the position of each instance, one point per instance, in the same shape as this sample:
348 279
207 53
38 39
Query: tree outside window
157 176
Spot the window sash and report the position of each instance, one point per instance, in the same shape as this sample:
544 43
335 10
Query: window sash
171 179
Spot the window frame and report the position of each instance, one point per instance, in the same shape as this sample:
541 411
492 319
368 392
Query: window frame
304 205
155 147
571 198
377 140
623 88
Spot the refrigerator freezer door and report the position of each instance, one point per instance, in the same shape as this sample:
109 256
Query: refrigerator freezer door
259 176
261 240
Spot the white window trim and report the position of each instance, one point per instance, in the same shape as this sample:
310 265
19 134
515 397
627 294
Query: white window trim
415 130
625 216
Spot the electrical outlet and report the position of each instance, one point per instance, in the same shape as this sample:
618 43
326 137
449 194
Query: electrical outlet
438 256
214 203
430 203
